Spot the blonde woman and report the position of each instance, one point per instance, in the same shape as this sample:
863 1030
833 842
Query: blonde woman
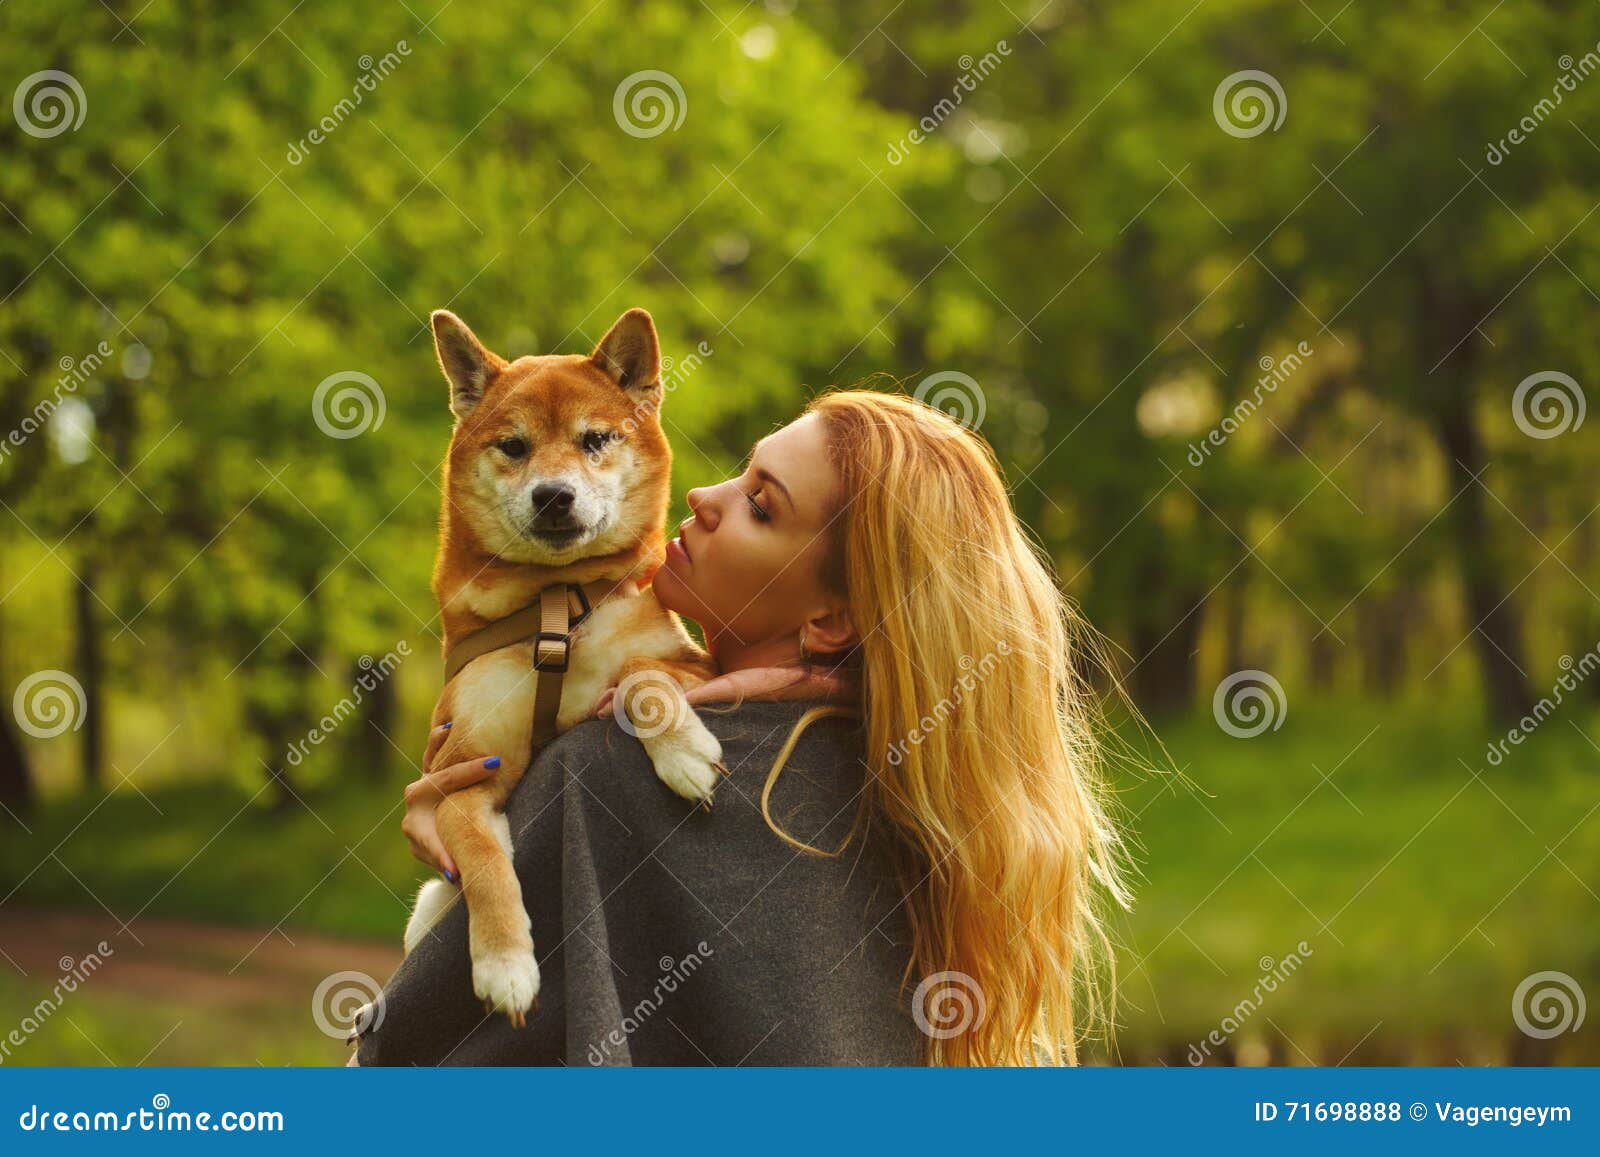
910 858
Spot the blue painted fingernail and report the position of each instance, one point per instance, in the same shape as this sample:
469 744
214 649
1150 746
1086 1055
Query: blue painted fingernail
492 762
449 875
447 724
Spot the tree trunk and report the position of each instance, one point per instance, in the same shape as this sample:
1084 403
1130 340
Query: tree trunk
1164 680
374 740
1494 618
1497 636
1381 631
16 778
16 775
89 673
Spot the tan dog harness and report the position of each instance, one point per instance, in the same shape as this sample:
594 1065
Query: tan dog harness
549 621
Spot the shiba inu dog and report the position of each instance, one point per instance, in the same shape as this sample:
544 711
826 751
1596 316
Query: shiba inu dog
557 473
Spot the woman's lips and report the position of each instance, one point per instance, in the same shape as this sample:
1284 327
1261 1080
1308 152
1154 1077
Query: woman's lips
677 551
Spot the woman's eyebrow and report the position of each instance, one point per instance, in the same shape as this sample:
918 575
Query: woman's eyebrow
768 476
771 479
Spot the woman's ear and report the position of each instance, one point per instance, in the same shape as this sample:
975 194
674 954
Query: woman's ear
829 631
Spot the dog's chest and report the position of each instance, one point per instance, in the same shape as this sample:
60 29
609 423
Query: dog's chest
615 631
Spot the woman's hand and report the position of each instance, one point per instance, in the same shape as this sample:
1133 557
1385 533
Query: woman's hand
423 797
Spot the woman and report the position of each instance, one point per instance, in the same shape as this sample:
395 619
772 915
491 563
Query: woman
911 872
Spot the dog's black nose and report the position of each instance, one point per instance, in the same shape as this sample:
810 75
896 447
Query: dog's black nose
552 501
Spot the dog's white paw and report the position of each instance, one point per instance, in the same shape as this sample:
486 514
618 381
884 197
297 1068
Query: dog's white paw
688 759
434 899
507 982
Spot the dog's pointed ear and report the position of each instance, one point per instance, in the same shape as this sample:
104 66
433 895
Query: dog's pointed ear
468 366
630 352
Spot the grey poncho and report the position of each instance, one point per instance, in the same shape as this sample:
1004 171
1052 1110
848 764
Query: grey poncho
669 936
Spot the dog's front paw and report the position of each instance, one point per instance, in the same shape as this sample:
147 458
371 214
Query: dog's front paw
688 760
507 982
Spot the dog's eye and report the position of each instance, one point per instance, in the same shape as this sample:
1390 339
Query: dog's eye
596 440
512 447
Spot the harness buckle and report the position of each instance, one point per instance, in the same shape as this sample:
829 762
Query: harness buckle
542 662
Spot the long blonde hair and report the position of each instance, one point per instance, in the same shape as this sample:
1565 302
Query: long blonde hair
981 735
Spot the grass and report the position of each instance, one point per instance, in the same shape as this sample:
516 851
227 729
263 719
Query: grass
1424 892
1425 884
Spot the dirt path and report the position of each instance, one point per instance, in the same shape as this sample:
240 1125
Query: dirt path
185 992
207 963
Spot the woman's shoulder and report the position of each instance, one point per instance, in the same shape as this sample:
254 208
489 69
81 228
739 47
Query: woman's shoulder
822 770
753 729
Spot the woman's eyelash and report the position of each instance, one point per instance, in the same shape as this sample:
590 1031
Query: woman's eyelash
756 507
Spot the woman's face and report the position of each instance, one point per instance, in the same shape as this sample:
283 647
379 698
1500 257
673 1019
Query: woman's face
747 564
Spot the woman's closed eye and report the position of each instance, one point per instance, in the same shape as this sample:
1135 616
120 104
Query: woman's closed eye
760 512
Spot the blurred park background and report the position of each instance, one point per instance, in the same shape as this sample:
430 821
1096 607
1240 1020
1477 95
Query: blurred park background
1279 316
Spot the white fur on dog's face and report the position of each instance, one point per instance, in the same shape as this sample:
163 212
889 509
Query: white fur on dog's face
559 425
600 479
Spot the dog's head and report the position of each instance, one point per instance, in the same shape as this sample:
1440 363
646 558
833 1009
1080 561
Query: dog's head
555 459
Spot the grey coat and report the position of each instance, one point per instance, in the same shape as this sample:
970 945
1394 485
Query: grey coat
668 936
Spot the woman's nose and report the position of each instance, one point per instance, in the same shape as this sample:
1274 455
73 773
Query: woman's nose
702 506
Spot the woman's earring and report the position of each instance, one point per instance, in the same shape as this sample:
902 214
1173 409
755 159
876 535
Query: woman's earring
805 656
